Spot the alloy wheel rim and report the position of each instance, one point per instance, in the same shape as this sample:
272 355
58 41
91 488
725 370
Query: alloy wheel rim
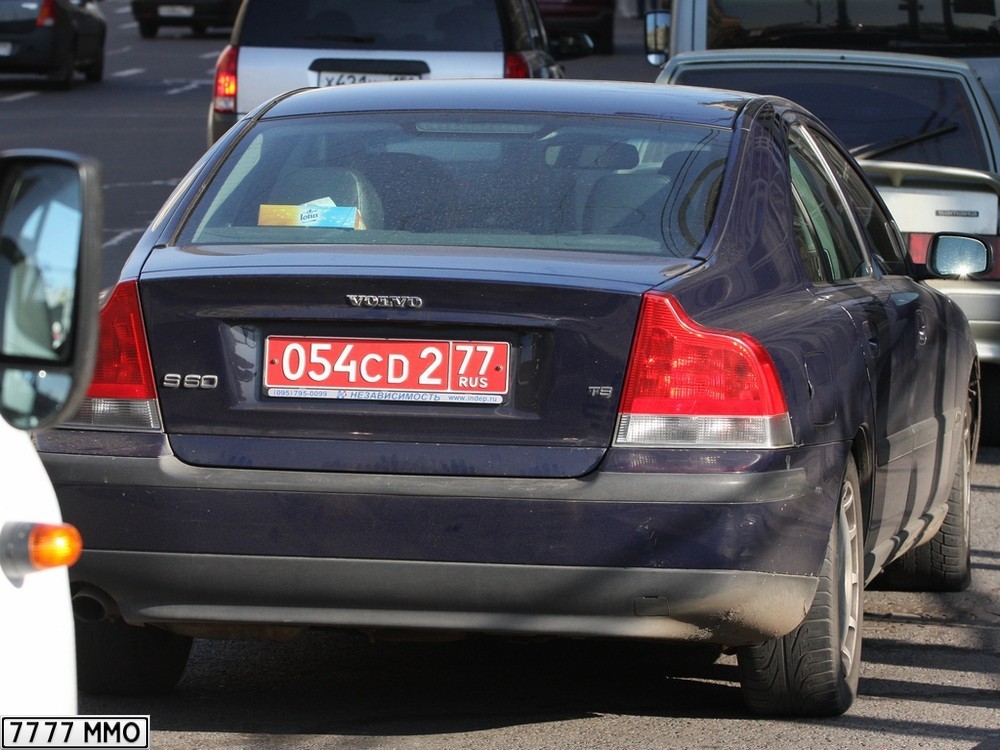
850 589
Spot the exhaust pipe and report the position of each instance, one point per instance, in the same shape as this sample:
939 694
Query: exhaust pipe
92 605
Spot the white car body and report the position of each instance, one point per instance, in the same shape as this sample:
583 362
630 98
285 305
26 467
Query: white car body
36 629
51 217
689 27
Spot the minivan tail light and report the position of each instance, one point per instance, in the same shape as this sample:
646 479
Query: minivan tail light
224 99
122 393
46 14
688 385
515 66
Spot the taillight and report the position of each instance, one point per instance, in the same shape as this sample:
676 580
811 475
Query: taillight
224 99
27 547
122 393
515 66
46 14
688 385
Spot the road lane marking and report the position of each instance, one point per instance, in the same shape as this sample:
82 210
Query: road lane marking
18 97
192 86
129 72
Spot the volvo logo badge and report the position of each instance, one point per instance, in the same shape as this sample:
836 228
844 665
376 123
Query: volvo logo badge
387 300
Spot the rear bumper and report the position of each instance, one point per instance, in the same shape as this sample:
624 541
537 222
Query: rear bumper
721 557
38 52
979 299
559 19
180 590
210 13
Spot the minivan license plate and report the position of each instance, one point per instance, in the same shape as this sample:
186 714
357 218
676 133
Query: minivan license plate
342 79
387 369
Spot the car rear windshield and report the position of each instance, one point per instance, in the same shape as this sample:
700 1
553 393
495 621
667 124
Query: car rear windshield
892 116
950 28
497 179
421 25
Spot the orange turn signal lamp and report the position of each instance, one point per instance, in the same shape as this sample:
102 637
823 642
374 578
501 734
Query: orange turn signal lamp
27 547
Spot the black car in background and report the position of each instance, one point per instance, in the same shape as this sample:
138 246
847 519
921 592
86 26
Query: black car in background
54 38
596 18
199 15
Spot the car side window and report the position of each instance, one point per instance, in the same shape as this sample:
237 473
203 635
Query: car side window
811 250
837 247
885 242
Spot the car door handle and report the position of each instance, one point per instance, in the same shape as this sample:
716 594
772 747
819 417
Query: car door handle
921 327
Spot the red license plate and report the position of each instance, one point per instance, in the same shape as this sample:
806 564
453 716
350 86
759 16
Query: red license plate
386 369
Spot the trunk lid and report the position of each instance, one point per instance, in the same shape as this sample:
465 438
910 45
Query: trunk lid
543 340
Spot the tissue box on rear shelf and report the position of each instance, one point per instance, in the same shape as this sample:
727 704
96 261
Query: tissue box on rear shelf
322 213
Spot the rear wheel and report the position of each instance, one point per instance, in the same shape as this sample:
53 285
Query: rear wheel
944 562
813 671
62 76
94 72
990 426
148 29
604 38
116 658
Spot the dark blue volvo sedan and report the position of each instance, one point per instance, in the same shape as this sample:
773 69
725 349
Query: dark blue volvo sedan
522 357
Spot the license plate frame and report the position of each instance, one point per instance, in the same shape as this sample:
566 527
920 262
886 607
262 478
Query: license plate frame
387 369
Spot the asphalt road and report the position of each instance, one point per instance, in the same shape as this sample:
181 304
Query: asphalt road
931 673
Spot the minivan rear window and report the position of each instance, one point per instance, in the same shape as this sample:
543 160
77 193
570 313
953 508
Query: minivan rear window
420 25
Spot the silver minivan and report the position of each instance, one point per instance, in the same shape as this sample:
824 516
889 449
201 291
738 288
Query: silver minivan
277 47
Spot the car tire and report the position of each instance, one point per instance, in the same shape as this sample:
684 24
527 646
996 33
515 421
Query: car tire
62 76
116 658
814 670
94 72
603 37
148 29
943 563
991 404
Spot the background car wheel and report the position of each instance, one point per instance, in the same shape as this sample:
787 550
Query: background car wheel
94 72
114 657
603 38
944 562
991 404
148 29
813 671
62 77
199 29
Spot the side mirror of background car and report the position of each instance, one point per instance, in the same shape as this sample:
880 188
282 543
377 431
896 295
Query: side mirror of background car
657 37
958 255
571 46
50 262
